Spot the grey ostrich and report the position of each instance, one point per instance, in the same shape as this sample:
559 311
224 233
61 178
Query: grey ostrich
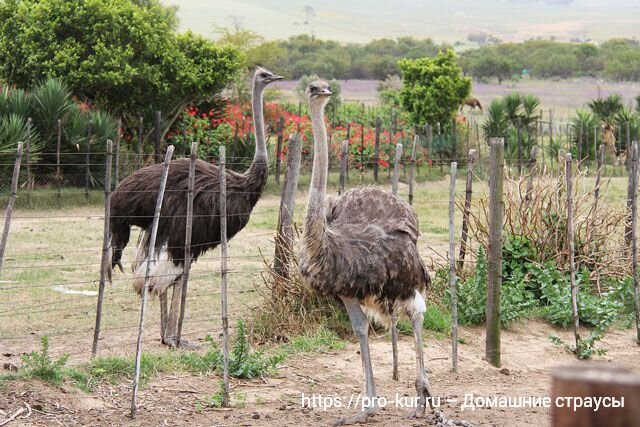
362 248
133 203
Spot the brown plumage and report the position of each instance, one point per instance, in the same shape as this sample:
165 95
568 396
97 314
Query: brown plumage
362 248
366 249
133 204
472 102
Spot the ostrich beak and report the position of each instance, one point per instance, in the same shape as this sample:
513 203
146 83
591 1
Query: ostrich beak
325 92
275 78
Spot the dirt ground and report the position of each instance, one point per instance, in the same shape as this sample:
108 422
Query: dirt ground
527 354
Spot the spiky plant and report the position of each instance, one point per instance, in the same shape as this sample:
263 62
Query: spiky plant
583 126
605 109
513 108
626 118
530 111
497 124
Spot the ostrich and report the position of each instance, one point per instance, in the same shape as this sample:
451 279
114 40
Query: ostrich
133 203
471 102
362 248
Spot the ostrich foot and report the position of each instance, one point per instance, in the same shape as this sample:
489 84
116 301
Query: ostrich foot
359 418
424 398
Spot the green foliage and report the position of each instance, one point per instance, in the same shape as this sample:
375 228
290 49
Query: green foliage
437 319
486 66
509 114
124 55
605 109
244 363
583 126
40 365
433 89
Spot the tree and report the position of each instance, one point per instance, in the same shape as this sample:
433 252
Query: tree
433 88
491 65
122 55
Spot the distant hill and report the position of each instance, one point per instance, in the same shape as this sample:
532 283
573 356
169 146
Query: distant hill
444 21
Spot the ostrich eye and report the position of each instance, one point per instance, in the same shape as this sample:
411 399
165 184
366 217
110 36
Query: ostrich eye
263 75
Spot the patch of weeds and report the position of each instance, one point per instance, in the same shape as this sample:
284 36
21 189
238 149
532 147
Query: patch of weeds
462 340
40 365
244 363
323 339
586 346
437 319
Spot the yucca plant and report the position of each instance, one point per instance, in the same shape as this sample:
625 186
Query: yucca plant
626 118
605 109
513 108
496 125
583 126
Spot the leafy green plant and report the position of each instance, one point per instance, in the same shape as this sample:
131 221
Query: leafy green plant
40 365
244 363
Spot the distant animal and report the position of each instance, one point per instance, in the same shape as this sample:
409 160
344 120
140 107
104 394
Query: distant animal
133 204
361 247
471 102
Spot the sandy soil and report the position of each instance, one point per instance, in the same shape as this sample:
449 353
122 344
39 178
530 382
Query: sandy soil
176 399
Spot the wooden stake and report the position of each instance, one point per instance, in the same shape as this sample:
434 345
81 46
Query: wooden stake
572 264
280 133
28 159
87 173
634 237
118 136
396 169
140 161
105 266
157 141
150 261
344 156
412 168
452 267
494 264
58 167
187 239
284 231
223 278
596 192
376 155
11 203
467 208
596 383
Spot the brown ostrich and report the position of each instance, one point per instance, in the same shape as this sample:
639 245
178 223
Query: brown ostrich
133 203
471 102
362 248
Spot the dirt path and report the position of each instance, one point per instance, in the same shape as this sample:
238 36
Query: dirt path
177 399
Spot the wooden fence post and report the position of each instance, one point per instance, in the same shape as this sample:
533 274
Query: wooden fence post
157 141
396 169
28 159
284 231
105 264
87 172
412 168
596 383
454 140
494 262
11 203
519 130
140 160
376 154
118 136
634 236
344 156
362 149
572 265
280 133
58 150
631 190
349 140
145 291
533 171
596 191
467 208
223 278
187 239
452 268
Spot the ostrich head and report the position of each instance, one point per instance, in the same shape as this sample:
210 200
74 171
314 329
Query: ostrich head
318 93
263 77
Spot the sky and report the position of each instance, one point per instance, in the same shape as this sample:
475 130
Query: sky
443 21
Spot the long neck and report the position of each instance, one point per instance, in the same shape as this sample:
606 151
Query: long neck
316 218
258 124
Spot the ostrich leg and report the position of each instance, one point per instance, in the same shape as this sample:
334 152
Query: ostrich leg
422 383
360 325
163 315
394 343
171 333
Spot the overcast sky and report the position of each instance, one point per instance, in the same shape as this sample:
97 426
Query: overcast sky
363 20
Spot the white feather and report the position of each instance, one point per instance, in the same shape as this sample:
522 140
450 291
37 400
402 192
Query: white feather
163 271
